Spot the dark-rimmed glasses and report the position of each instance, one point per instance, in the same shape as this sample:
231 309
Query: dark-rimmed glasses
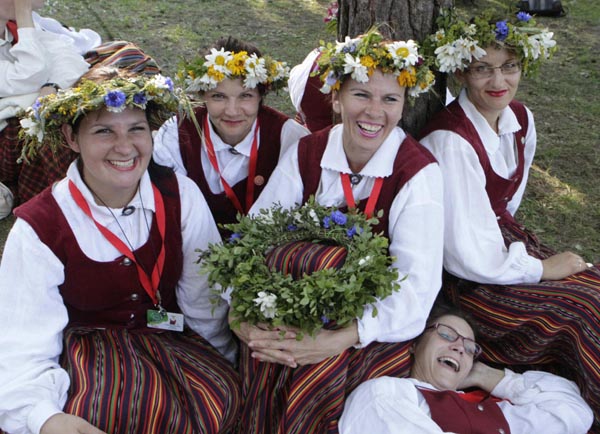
487 71
447 333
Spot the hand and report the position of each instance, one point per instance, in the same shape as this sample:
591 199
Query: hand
562 265
310 349
482 376
62 423
47 90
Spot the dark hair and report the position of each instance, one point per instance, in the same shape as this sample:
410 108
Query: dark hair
441 309
229 43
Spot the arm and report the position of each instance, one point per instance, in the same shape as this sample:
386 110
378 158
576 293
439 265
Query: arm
474 248
166 146
193 292
387 406
542 402
32 319
416 233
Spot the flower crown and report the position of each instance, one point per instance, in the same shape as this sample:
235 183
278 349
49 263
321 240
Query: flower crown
41 123
359 57
457 43
205 73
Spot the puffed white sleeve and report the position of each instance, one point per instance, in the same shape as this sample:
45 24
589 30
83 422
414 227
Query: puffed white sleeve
32 318
66 65
291 133
416 228
530 146
193 291
387 405
166 146
539 402
474 248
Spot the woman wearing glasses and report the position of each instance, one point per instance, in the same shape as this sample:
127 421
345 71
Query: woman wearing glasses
444 361
533 306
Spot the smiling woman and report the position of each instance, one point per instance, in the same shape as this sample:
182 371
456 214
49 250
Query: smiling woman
443 361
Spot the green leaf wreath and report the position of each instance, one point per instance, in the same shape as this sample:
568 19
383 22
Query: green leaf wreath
261 295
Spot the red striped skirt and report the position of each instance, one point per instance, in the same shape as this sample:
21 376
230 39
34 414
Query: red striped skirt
552 325
144 383
310 399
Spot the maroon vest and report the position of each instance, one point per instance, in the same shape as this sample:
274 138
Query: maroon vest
499 190
410 159
271 123
455 414
109 294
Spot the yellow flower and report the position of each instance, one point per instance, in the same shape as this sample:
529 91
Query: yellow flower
407 78
236 65
214 74
368 62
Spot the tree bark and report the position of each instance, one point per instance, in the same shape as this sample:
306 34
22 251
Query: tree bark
399 20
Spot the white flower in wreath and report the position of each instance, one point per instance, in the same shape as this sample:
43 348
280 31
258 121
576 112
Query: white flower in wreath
256 72
363 261
404 53
32 128
267 303
218 59
539 45
356 69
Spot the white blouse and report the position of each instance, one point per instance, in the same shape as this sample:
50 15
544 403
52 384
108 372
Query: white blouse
33 315
533 402
473 244
415 228
233 166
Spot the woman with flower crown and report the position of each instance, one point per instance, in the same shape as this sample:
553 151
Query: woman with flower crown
106 324
233 142
534 307
299 385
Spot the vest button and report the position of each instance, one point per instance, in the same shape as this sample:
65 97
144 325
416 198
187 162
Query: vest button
135 297
132 316
480 407
126 262
500 431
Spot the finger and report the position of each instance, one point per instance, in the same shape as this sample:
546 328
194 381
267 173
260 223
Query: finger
278 357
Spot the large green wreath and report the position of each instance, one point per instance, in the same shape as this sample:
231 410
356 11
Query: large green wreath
238 267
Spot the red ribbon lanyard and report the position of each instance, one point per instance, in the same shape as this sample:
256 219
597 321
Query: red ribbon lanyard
210 148
150 284
12 28
371 202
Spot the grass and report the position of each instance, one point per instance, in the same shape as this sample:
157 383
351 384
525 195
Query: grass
562 202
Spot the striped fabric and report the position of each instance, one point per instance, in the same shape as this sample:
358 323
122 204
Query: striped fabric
303 257
122 54
142 383
310 399
552 325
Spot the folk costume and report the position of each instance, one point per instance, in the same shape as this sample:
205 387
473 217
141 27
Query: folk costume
180 146
310 398
494 264
520 404
75 335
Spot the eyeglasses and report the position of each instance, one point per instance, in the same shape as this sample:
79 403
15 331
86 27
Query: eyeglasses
447 333
486 71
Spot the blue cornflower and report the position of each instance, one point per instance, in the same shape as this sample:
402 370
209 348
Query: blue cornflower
523 16
351 48
326 221
351 232
339 218
140 99
114 99
292 228
324 319
36 108
169 83
501 30
330 79
234 237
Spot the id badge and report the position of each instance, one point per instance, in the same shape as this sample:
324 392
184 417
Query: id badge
164 320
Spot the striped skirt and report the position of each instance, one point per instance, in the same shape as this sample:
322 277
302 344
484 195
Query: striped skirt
310 399
149 383
552 325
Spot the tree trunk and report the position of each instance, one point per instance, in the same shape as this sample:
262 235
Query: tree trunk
398 20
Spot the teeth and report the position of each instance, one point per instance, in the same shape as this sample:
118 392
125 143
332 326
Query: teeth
370 127
127 163
450 362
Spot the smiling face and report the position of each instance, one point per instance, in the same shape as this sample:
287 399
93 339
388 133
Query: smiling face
369 112
232 109
440 363
115 149
493 94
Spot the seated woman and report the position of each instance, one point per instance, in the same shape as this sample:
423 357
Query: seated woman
234 141
105 320
299 386
444 359
534 307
